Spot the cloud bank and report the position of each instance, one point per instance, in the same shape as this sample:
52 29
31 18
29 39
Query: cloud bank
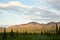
49 11
13 3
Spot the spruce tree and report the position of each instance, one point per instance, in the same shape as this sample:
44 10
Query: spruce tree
4 33
41 33
56 28
17 32
59 31
25 32
12 33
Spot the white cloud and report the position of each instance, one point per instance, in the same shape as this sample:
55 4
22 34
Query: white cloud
13 3
36 13
53 3
51 10
16 3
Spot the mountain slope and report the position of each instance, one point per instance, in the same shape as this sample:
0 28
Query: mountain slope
33 27
30 27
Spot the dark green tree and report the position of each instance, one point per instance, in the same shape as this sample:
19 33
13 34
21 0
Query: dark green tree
25 32
17 32
12 33
57 29
4 33
41 33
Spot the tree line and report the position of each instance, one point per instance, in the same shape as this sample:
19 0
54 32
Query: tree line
13 34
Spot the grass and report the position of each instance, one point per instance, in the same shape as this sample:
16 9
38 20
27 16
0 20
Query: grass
29 37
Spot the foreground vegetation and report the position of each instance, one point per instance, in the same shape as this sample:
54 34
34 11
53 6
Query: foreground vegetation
30 36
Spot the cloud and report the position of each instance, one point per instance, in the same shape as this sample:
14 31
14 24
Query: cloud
29 13
13 3
17 6
53 3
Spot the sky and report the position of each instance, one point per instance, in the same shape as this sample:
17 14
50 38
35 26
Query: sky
14 12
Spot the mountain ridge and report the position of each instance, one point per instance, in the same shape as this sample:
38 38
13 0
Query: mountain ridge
32 27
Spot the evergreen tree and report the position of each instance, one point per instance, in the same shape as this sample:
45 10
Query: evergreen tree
25 32
4 33
59 31
17 32
41 33
56 28
11 33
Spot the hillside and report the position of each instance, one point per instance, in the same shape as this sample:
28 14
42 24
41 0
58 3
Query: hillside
32 27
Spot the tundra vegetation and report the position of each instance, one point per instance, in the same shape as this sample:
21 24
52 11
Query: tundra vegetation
46 35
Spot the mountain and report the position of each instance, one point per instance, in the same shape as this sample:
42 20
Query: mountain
30 27
33 27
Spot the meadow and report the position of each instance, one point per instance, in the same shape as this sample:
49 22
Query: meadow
46 35
28 36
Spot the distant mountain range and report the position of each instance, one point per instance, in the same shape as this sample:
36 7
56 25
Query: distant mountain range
33 27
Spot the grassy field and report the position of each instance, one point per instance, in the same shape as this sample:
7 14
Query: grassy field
46 35
29 37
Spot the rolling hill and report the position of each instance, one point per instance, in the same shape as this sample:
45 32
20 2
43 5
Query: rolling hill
32 27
